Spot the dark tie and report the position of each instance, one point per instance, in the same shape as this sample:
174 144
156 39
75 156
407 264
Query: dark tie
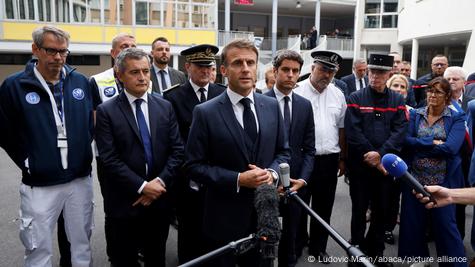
202 95
361 83
54 88
162 77
248 119
147 143
287 117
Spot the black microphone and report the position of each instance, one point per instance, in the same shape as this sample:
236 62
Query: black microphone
284 172
398 168
266 203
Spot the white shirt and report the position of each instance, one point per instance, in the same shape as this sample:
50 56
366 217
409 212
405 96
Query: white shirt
196 88
281 100
357 82
238 108
329 109
159 77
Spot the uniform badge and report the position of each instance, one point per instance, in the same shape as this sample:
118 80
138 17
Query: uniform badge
109 91
78 93
32 98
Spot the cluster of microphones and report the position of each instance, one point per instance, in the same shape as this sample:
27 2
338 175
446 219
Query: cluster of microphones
266 203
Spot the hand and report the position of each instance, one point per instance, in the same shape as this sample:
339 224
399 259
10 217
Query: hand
154 189
144 200
341 168
440 194
372 158
381 168
437 142
295 185
255 177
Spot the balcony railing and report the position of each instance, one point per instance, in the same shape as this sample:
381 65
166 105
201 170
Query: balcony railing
339 44
225 37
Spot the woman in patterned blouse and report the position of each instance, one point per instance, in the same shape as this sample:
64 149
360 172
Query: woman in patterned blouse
435 136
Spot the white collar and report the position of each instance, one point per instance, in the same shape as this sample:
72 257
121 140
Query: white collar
235 97
132 98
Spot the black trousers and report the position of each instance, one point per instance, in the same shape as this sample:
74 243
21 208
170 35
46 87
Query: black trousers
190 224
395 197
322 189
291 213
368 185
147 231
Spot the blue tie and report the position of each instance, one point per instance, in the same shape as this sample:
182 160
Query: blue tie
147 143
162 77
248 119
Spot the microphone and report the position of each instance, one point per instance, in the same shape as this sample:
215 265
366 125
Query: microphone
284 171
266 203
398 168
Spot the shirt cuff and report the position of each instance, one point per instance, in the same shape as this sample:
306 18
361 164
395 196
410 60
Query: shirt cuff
303 180
142 187
237 183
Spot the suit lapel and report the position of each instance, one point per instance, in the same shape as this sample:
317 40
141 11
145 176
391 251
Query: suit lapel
227 112
295 114
190 97
212 91
261 111
153 77
124 106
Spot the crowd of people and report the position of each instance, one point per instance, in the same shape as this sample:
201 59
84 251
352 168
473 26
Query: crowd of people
169 144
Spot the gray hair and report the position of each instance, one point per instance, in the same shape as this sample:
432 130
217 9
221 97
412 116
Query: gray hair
38 35
359 61
119 37
286 54
457 71
129 53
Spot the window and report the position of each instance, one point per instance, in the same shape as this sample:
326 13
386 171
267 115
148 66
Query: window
84 60
14 59
381 13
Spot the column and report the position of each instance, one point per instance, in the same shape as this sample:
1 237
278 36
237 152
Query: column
414 58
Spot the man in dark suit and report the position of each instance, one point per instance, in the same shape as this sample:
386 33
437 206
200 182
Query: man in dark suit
438 65
300 134
141 149
189 195
236 136
358 79
163 77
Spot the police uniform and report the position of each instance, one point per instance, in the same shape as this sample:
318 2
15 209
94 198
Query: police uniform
374 121
189 195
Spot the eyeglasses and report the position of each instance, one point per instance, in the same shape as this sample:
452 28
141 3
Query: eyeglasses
435 92
53 52
439 64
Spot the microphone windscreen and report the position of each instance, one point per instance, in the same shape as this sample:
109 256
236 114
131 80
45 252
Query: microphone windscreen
266 203
394 165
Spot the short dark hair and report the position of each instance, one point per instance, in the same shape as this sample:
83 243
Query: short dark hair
444 85
161 39
286 54
238 43
129 53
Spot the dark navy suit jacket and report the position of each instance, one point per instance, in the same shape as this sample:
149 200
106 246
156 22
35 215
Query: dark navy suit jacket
351 82
218 154
184 101
121 150
302 137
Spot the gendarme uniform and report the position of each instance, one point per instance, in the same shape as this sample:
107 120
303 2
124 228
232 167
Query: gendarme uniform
51 144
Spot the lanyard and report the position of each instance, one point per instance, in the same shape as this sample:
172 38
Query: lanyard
59 100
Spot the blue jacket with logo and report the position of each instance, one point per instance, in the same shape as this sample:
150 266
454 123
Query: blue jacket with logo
31 133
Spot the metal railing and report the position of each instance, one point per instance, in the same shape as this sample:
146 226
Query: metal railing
225 37
339 44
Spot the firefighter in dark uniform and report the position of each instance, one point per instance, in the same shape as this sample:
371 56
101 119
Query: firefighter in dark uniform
375 125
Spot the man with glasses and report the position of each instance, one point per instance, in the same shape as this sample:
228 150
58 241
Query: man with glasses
329 107
49 111
375 124
439 65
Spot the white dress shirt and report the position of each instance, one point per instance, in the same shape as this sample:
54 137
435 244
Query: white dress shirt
357 82
238 108
281 100
196 88
159 77
329 109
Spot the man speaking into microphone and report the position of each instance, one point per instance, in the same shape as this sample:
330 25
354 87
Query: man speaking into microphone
235 145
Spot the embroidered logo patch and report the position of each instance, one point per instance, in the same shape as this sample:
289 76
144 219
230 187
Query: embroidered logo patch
78 93
32 98
109 91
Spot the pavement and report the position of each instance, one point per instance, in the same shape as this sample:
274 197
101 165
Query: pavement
11 250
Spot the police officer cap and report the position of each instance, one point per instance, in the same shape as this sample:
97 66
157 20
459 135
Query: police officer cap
203 55
330 60
380 62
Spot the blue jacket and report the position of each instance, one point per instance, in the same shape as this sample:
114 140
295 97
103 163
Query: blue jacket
32 132
450 150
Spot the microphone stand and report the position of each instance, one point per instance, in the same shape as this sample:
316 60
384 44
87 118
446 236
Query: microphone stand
351 250
240 246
